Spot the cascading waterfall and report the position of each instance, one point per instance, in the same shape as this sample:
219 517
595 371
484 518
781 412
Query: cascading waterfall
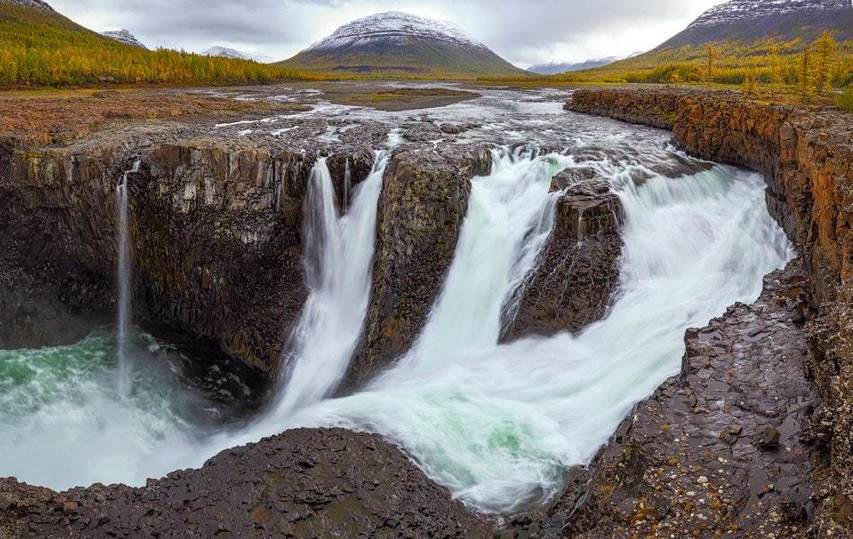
338 264
123 276
498 424
509 219
347 187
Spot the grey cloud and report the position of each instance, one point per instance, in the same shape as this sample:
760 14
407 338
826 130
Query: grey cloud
523 31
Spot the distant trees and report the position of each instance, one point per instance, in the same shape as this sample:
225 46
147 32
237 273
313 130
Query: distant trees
826 53
712 54
40 49
776 75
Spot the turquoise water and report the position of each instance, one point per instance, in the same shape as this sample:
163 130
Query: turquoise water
63 422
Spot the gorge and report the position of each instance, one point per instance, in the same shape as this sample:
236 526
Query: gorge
495 292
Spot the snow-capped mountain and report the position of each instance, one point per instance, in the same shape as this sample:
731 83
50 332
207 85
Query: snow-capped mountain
124 36
402 43
226 52
751 20
393 26
556 67
745 10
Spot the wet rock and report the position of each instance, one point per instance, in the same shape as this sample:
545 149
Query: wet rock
358 486
766 438
806 157
579 270
421 209
667 472
216 236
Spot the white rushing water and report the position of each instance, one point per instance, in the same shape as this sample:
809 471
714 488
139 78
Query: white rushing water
63 422
498 424
338 265
123 276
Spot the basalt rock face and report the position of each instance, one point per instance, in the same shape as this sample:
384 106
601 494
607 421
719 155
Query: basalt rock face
57 248
216 231
579 269
807 159
421 209
303 483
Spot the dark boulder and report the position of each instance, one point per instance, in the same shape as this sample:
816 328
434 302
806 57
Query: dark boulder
579 269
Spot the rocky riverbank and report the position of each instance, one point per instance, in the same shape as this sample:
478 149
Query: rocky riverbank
807 159
303 483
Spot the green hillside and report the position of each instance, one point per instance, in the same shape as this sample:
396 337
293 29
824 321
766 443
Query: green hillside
41 48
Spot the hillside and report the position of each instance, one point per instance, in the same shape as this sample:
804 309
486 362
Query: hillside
747 21
744 42
41 48
402 45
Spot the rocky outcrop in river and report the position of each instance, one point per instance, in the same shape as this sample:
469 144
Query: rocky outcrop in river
579 269
421 209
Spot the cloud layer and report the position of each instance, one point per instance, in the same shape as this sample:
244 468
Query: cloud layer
523 31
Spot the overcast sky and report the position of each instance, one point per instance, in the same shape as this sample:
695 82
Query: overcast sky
522 31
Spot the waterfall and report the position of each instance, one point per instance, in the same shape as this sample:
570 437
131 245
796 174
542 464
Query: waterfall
509 219
498 424
123 277
347 187
338 271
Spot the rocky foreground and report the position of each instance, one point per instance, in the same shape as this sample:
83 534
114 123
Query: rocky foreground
752 439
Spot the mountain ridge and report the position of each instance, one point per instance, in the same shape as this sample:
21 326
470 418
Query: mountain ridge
753 20
398 43
125 37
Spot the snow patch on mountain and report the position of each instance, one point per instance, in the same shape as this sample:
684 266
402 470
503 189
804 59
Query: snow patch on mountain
226 52
37 4
124 36
396 27
745 10
556 67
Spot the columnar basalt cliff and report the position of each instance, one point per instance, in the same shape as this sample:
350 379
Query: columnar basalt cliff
421 208
807 159
202 212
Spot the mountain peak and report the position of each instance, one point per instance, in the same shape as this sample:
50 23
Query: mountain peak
394 26
751 20
745 10
404 45
226 52
124 36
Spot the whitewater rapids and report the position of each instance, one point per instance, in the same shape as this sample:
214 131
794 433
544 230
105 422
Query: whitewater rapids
498 424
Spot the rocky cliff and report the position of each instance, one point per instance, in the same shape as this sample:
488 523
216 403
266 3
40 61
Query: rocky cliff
202 211
807 159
